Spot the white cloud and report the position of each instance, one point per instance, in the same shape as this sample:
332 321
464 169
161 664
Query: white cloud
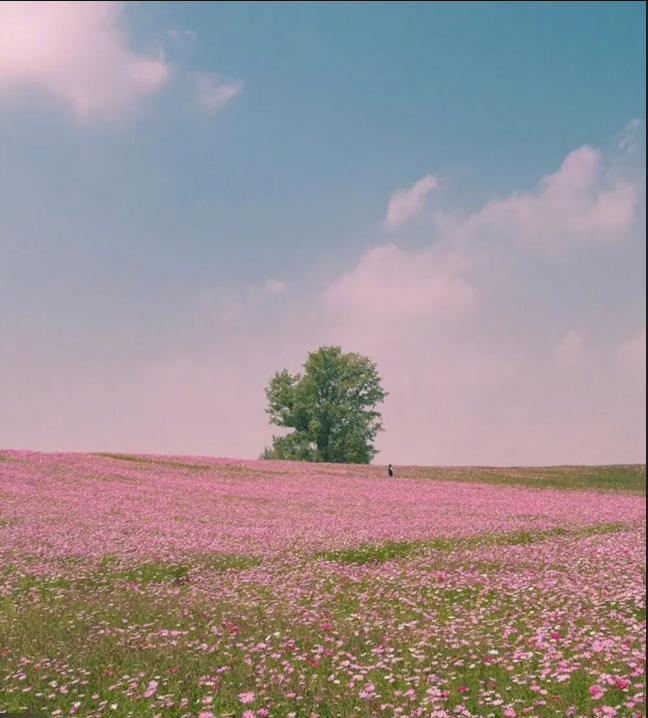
629 140
77 53
405 204
211 94
576 203
569 352
391 286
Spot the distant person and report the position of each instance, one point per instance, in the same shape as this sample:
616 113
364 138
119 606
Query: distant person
390 470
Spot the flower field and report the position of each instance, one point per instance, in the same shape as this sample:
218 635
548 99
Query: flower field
176 587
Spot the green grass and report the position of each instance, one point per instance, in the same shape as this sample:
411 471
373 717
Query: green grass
157 461
109 575
110 571
224 470
154 572
622 478
27 583
391 551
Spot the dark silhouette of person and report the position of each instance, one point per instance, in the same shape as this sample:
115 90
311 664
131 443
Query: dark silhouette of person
390 470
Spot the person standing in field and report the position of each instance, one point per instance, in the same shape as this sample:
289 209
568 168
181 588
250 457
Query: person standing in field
390 470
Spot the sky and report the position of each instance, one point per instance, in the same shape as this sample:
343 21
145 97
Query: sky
195 195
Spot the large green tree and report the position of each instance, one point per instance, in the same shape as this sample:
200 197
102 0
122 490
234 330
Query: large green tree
331 407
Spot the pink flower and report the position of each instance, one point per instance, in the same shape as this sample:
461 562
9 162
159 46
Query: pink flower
623 684
152 687
510 713
246 698
597 692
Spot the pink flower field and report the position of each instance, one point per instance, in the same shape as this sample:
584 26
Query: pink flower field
87 506
164 587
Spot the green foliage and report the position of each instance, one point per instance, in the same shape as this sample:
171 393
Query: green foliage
396 550
331 408
367 554
623 478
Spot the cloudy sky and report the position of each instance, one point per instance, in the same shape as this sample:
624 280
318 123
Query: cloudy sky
193 195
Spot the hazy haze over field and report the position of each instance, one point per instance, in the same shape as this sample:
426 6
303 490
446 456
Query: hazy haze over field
192 196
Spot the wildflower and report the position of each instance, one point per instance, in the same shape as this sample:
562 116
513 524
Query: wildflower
152 687
597 692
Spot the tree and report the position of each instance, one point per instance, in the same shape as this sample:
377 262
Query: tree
331 408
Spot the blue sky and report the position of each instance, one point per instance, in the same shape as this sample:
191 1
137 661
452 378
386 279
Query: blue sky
193 195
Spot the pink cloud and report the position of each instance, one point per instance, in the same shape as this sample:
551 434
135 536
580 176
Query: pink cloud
573 203
273 287
390 286
405 204
569 352
77 53
632 353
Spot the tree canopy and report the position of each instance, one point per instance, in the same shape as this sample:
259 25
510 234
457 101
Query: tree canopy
331 407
